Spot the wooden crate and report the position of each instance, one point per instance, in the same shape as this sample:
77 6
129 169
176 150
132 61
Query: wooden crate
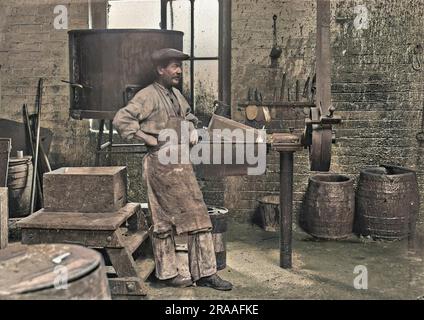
85 189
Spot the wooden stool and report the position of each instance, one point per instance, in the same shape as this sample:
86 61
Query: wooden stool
120 236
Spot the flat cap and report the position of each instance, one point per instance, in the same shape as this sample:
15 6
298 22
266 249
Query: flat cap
167 54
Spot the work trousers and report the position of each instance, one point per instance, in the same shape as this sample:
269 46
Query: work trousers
201 255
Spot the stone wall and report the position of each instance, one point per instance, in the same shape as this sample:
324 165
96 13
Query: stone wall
31 48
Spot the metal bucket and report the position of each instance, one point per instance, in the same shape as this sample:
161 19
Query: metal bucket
387 202
329 206
52 272
218 217
19 184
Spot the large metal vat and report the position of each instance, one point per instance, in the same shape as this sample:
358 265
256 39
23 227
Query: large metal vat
107 67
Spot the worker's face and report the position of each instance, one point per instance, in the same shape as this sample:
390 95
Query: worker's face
171 74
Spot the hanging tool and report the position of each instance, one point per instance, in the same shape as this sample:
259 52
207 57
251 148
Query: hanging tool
306 89
276 50
297 90
283 87
250 95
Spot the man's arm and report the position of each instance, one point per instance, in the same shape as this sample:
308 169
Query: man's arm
127 120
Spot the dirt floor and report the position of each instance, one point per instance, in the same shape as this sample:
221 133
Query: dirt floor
321 269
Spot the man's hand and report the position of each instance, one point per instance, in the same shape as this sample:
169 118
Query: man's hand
194 137
148 139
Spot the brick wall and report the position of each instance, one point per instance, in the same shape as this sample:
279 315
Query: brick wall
375 89
31 48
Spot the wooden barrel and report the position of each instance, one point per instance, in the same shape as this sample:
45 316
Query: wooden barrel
19 180
52 271
218 217
269 212
329 206
387 202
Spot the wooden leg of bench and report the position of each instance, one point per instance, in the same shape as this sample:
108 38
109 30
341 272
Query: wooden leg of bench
127 287
122 262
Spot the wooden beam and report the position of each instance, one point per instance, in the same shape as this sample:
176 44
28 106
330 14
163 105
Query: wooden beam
98 10
4 215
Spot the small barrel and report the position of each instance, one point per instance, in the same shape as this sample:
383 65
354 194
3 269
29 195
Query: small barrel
52 271
387 202
218 217
19 183
329 206
269 212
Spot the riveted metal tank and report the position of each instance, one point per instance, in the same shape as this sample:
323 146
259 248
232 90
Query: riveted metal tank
108 66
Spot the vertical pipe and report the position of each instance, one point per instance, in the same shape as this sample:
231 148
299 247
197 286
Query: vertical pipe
225 51
286 208
99 142
90 15
163 16
110 141
192 54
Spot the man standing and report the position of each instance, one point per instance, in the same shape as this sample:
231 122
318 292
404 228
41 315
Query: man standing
175 200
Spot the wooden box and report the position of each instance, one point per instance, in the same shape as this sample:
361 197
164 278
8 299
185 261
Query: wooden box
85 189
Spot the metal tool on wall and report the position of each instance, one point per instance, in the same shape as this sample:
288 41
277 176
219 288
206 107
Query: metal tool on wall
276 49
283 86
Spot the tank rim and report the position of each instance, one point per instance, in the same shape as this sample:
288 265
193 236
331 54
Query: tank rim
347 179
133 30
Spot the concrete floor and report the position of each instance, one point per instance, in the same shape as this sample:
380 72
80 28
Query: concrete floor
321 269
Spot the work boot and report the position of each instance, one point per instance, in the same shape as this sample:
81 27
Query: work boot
178 281
215 282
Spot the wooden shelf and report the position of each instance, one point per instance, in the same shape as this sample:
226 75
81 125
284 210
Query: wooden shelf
287 104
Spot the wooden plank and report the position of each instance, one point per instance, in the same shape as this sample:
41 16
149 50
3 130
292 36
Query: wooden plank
145 266
5 147
4 215
323 53
122 262
133 240
88 238
79 221
130 286
85 189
